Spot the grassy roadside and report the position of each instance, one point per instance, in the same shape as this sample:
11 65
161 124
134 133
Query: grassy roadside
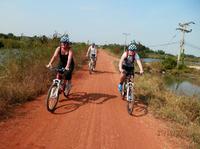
182 112
25 74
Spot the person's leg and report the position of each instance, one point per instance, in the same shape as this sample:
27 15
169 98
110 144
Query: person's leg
68 77
122 77
94 63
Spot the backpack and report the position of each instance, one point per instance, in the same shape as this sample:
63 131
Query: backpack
133 56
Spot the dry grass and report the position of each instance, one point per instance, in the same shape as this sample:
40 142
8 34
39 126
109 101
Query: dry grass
183 111
27 76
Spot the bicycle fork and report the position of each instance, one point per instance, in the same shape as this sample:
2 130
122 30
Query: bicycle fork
129 93
54 94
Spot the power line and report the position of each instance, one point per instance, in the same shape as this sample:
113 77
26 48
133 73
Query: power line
192 46
164 44
173 37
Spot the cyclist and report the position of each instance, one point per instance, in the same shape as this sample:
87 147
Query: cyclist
66 61
126 63
92 53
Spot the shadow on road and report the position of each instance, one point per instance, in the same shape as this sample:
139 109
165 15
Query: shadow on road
99 71
140 106
78 99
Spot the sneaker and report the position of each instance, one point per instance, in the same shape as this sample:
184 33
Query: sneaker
120 87
129 98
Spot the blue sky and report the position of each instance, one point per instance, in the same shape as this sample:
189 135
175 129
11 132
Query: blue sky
150 22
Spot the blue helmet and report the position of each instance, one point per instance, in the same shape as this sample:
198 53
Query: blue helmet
64 39
132 47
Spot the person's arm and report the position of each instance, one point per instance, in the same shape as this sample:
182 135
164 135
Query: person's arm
88 51
69 59
139 63
96 51
121 61
55 55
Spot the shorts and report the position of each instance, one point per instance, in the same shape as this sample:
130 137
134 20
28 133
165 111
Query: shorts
67 74
93 57
129 70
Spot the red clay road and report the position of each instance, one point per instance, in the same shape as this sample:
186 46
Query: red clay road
93 117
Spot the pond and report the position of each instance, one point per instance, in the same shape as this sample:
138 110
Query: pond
182 86
149 60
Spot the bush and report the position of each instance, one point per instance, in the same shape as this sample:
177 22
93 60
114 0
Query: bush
1 44
182 66
169 63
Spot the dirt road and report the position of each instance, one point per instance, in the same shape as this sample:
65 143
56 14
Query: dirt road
94 117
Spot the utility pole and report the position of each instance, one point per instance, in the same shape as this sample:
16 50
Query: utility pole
183 29
125 34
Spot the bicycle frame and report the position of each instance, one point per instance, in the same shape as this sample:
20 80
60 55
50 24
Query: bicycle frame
129 85
55 90
128 92
91 64
57 83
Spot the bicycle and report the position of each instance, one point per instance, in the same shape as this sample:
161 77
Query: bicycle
91 63
128 91
56 89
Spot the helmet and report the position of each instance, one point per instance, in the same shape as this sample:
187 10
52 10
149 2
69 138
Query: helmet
132 47
64 39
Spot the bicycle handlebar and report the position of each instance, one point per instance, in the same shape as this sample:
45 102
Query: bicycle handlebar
138 73
61 70
132 73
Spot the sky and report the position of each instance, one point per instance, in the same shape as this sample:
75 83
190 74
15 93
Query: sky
151 22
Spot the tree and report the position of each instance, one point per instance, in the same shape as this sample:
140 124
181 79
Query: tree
1 44
161 52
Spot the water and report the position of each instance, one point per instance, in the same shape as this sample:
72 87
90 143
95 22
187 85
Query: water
182 86
149 60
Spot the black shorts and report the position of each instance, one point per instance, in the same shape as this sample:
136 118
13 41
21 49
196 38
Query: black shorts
67 74
129 70
93 57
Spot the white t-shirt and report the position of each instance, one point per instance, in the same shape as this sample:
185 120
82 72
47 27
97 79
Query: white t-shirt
93 50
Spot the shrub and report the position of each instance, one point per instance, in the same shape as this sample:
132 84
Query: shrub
169 63
1 44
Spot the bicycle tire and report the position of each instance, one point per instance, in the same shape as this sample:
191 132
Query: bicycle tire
123 93
130 102
66 94
90 67
52 102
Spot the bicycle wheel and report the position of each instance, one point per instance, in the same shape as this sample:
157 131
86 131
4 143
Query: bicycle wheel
67 90
52 98
90 67
130 100
123 93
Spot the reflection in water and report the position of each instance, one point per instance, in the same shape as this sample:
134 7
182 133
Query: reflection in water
149 60
182 86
